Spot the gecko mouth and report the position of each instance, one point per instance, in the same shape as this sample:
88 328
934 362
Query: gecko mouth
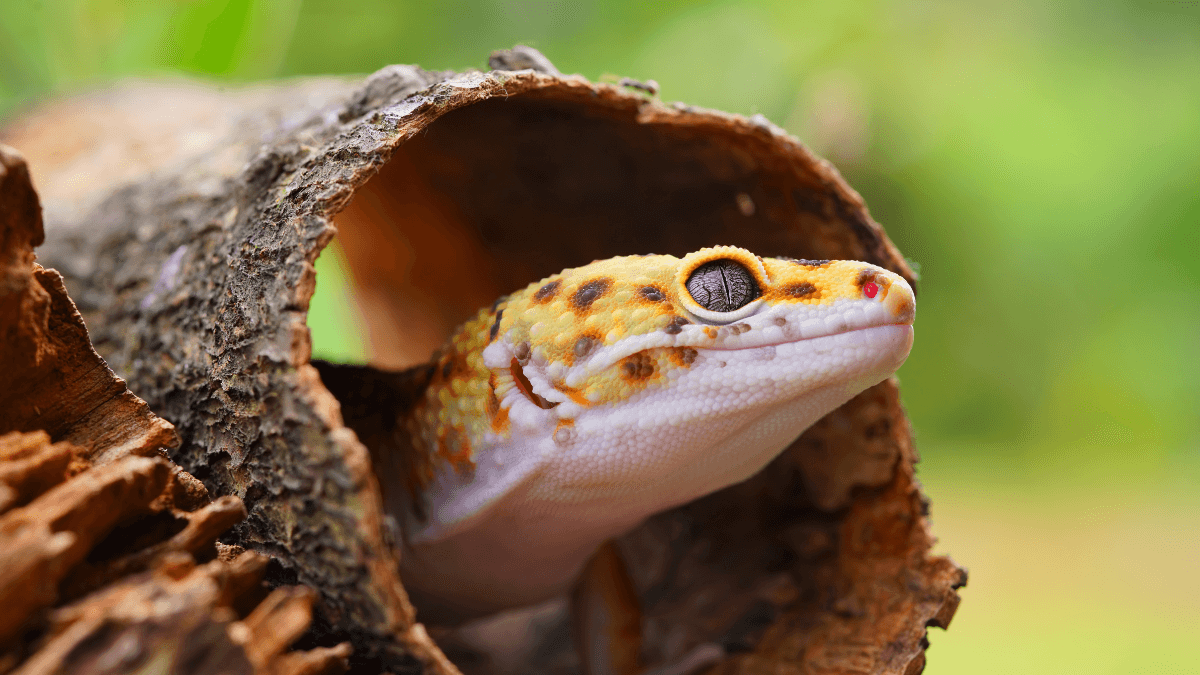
526 387
740 336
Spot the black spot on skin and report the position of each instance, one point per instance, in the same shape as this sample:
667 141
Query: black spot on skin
521 353
584 346
722 285
589 292
498 301
639 366
800 290
688 355
864 276
652 294
495 326
675 327
547 292
739 328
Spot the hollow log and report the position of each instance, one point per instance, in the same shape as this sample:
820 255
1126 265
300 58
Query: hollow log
195 270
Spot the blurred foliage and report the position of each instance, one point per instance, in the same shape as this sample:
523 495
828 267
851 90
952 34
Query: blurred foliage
1041 161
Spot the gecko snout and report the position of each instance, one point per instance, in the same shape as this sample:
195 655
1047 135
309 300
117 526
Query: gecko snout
894 293
901 301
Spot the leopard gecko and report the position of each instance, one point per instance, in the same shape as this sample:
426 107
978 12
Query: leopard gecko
572 410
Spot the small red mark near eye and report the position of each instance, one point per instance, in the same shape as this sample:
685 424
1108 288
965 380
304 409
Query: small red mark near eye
870 289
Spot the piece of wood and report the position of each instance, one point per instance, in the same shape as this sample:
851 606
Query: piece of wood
195 280
92 516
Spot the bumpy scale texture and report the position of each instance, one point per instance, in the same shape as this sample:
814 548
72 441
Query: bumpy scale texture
574 408
574 324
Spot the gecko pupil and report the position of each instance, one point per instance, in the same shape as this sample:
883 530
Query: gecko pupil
722 286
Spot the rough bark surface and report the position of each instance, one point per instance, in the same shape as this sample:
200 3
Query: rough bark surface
99 535
447 190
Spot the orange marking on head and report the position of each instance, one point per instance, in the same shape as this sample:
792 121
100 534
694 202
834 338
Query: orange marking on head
582 347
454 447
802 290
500 421
573 394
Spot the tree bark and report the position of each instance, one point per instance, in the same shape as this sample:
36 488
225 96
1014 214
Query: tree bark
99 534
447 190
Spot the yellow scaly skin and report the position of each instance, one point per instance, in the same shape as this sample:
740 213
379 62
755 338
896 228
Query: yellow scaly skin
573 409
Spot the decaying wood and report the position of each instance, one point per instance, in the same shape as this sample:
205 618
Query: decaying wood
448 190
99 534
56 381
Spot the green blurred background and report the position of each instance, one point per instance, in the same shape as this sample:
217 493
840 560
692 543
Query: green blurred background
1040 161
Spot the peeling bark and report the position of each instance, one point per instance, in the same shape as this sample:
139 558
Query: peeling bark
447 190
99 535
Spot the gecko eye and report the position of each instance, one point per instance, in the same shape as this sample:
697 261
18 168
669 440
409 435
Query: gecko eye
722 286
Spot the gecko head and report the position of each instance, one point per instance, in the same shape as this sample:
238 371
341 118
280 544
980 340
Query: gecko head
661 378
718 338
617 329
573 409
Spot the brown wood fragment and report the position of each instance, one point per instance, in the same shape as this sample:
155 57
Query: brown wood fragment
203 527
85 513
314 661
95 501
61 527
277 622
169 616
56 381
31 561
30 465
